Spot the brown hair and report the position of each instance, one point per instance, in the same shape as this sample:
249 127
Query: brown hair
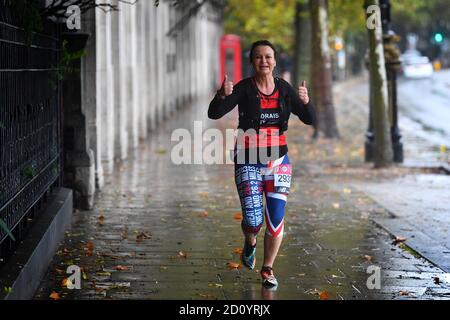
261 43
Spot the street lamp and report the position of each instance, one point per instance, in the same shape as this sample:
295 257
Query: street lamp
393 63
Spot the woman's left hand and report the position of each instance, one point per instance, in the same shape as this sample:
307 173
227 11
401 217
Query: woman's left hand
303 93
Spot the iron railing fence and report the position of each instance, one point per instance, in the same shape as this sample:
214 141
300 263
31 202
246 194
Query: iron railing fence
30 122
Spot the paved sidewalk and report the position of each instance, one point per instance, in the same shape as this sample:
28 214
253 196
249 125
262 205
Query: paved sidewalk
161 231
418 200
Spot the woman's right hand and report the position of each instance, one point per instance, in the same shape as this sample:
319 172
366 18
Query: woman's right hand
226 89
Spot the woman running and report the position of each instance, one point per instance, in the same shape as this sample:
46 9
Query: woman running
261 154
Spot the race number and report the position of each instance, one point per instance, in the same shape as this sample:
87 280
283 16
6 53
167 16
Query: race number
282 178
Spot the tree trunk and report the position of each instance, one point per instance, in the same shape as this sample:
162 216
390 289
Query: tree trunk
382 153
302 46
321 71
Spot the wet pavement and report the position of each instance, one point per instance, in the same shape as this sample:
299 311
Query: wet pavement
422 217
162 231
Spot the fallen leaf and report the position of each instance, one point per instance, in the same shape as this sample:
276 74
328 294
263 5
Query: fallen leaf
238 250
66 282
101 220
301 274
163 268
161 151
203 194
217 285
233 265
104 274
398 240
122 268
347 190
404 293
238 216
368 258
89 248
204 214
324 295
85 277
143 235
182 254
55 296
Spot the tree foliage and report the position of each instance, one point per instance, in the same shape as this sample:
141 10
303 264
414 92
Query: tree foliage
262 19
346 17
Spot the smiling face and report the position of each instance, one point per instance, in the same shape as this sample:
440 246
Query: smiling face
264 60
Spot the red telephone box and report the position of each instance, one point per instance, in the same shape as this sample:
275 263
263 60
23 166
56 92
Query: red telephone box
230 58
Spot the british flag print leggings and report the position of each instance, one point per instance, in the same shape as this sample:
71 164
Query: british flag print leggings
273 180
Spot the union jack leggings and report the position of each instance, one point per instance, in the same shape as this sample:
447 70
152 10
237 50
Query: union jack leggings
272 179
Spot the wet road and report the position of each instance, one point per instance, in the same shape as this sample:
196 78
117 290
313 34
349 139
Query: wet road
427 101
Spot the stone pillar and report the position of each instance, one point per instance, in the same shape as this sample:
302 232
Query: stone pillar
90 93
190 62
203 52
79 162
110 121
179 55
170 40
105 99
160 62
135 100
179 62
123 80
143 85
164 52
151 65
116 86
195 48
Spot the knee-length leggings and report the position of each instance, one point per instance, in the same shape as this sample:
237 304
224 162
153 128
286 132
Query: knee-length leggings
254 180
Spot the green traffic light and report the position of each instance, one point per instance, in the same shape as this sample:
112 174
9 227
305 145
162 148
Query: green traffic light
438 37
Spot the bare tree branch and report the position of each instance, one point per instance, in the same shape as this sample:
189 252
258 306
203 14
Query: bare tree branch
58 8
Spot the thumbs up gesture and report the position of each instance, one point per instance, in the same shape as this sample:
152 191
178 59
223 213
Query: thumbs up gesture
303 93
227 88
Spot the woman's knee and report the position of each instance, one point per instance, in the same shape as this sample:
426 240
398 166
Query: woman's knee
275 232
251 228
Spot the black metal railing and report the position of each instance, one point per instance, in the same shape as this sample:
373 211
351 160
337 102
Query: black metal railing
30 122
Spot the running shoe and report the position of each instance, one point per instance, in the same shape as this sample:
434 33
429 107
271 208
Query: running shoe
249 255
269 279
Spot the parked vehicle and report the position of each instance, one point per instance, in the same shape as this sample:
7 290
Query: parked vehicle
416 66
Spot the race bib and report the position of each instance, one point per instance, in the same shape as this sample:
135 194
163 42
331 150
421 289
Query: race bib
282 178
